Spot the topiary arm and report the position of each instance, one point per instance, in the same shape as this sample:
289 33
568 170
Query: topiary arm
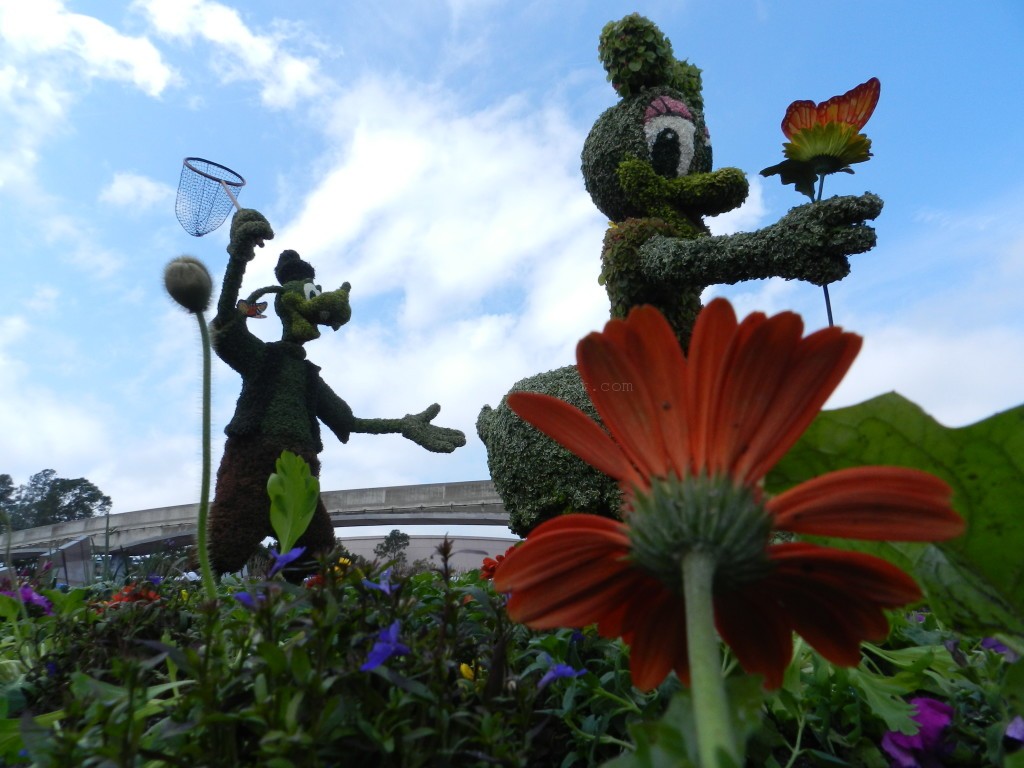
415 427
231 338
249 228
699 194
335 413
811 242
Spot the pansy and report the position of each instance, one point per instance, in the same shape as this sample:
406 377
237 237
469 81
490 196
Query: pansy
690 440
825 138
925 748
27 595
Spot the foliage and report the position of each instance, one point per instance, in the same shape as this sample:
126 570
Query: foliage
294 493
975 582
151 674
47 499
392 549
636 55
281 677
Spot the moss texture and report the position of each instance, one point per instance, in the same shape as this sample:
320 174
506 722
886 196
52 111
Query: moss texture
240 514
536 478
617 136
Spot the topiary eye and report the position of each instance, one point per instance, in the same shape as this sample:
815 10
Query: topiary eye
309 291
670 141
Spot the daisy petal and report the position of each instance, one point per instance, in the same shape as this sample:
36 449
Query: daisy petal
569 572
822 593
756 630
576 432
658 352
759 367
854 572
657 640
621 394
815 368
707 365
872 503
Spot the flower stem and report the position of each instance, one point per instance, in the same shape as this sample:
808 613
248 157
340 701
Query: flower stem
828 302
204 489
710 704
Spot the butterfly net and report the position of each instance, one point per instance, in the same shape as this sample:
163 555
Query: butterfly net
206 194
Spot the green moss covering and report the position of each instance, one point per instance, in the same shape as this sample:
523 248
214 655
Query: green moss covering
618 136
536 478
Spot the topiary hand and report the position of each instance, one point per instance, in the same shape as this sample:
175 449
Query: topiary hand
417 427
818 237
249 228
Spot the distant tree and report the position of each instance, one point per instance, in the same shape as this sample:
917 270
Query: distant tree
47 499
393 547
6 495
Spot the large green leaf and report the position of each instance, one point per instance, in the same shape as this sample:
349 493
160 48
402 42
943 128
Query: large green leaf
293 497
975 582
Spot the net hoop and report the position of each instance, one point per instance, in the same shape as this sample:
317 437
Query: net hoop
232 179
207 191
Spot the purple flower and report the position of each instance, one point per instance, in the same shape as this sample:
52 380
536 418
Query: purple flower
558 671
991 644
387 645
385 584
1013 738
923 749
250 601
29 596
280 561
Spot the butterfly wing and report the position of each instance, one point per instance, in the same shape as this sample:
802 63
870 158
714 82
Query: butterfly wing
799 116
255 309
853 107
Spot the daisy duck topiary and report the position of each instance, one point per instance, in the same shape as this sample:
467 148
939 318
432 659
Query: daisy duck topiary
647 166
283 398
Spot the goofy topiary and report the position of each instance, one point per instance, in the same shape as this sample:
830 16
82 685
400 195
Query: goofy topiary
283 397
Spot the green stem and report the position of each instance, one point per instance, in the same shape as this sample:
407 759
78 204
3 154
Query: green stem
710 704
204 489
824 288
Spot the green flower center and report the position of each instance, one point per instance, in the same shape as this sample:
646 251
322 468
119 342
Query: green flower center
712 515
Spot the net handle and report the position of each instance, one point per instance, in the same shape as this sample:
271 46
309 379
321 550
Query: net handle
230 194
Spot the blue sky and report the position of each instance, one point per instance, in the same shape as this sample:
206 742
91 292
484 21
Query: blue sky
428 153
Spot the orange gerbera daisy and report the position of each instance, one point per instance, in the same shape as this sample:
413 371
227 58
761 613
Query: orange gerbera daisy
689 441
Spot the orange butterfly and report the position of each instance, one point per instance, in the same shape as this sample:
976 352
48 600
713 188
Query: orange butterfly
256 309
853 108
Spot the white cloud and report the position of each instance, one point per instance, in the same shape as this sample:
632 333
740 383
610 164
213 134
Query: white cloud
747 217
450 212
44 27
958 379
48 54
242 54
132 190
